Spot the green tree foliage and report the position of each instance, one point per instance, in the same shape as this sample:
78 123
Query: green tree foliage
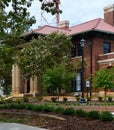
16 21
12 24
50 7
45 52
4 3
104 80
6 62
58 78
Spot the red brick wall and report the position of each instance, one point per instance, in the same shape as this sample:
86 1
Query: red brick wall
97 49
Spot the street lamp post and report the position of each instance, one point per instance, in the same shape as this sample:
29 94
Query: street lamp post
82 44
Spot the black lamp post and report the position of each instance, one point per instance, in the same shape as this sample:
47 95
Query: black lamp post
82 44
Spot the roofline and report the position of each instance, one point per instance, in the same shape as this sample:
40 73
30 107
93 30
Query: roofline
86 22
103 31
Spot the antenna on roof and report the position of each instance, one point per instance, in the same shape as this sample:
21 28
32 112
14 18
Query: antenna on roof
50 12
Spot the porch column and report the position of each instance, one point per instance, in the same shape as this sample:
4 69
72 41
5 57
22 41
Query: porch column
16 80
13 79
31 85
35 85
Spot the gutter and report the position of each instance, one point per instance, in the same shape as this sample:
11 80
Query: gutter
96 30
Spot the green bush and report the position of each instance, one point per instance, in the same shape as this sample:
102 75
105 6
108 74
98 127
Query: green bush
39 108
9 100
77 98
39 98
106 116
94 114
25 99
100 98
29 106
13 106
69 111
110 98
81 113
2 101
19 100
65 99
59 110
48 108
53 99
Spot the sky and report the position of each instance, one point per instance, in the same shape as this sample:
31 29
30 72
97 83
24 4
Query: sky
74 11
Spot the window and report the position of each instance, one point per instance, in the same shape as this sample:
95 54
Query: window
76 83
106 47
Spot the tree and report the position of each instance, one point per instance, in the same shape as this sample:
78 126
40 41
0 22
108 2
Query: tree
12 25
18 21
104 80
50 7
57 79
6 62
45 52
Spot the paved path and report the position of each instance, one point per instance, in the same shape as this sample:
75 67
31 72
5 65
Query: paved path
15 126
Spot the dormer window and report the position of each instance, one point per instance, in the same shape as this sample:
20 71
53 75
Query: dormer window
106 47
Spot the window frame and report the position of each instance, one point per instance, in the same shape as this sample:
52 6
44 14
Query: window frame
106 47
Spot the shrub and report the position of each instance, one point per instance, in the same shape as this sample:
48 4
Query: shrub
69 111
77 96
100 98
110 98
65 99
59 110
48 108
39 98
39 108
77 99
9 100
15 106
2 101
19 100
53 99
25 99
94 114
106 116
81 113
29 106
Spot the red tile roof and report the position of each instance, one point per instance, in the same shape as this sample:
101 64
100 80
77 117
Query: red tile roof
96 24
93 25
45 30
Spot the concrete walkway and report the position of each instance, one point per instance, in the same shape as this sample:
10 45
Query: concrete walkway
15 126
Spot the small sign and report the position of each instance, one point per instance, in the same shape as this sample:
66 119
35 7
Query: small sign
87 83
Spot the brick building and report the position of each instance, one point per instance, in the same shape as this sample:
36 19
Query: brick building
98 50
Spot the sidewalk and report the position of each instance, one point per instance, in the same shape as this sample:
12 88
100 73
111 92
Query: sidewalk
15 126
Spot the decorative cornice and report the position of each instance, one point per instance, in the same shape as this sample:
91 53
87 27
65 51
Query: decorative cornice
109 8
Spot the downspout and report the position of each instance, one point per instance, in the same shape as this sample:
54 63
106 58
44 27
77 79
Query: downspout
91 60
90 42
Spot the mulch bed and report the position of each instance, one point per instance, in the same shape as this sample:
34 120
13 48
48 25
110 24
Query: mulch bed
52 123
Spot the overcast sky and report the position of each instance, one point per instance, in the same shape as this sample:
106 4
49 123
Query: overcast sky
75 11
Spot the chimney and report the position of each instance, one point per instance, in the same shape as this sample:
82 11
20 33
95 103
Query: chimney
64 24
109 14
